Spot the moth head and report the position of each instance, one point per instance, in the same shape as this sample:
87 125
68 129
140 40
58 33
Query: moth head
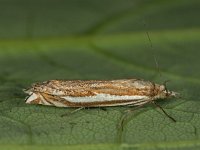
163 92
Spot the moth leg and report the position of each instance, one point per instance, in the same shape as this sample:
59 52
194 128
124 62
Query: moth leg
157 105
72 112
126 113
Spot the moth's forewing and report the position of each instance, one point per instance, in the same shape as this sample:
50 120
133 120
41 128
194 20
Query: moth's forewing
94 93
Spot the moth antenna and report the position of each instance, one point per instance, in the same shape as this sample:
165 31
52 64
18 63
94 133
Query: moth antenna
149 39
157 66
155 60
157 105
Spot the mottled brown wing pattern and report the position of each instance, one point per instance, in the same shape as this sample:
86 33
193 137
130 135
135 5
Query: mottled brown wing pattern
92 87
97 92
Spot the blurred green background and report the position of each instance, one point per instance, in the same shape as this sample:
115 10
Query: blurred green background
107 39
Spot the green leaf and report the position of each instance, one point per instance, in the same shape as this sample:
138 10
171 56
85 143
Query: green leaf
74 39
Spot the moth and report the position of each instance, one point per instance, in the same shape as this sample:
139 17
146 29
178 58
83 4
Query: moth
97 93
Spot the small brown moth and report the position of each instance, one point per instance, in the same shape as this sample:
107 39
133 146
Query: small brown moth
97 93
